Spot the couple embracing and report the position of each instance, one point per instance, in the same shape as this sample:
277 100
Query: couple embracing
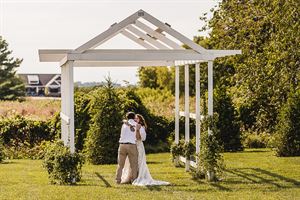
132 166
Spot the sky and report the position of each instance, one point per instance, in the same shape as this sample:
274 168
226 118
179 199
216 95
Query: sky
29 25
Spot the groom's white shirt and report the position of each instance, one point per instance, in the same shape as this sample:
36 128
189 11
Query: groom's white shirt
128 136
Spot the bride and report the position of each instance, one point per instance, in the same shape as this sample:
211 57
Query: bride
144 177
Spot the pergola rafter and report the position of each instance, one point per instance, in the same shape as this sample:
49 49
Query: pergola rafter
159 50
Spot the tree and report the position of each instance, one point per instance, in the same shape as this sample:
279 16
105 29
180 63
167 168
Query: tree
267 32
103 135
229 135
155 77
148 77
11 87
164 77
287 138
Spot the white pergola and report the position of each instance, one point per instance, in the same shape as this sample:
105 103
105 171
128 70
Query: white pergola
162 47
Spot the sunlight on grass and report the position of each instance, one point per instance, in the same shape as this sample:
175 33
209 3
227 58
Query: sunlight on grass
253 174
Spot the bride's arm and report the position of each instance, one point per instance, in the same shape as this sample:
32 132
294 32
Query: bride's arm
137 132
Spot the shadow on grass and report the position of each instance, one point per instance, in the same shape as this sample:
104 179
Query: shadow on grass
5 162
216 185
261 177
154 162
154 188
254 151
220 187
280 177
103 179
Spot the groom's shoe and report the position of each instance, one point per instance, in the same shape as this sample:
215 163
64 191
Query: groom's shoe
118 182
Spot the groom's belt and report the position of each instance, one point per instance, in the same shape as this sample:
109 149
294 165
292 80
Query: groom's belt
126 143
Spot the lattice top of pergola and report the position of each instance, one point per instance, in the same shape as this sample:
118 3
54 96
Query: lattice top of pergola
163 46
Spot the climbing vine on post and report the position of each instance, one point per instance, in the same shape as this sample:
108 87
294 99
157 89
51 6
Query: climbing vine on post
210 163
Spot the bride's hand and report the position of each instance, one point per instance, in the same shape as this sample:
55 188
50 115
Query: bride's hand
138 126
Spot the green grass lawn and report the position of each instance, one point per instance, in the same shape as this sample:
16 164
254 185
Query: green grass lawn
253 174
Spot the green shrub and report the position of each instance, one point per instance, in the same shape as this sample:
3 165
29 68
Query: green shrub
82 118
210 158
185 149
288 127
159 147
171 136
2 156
189 149
229 135
17 130
25 138
103 136
62 166
177 149
25 151
256 140
55 126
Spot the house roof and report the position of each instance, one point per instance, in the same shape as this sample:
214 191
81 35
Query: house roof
43 78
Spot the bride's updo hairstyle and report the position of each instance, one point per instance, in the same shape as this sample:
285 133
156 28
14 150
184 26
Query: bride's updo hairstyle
142 120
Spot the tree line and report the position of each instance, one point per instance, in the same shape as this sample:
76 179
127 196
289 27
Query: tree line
264 79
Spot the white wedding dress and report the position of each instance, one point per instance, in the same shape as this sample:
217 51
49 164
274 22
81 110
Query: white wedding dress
144 177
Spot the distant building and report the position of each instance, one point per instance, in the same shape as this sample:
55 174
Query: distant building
42 84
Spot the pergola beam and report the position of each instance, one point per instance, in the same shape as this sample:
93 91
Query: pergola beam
121 64
137 55
173 32
137 40
157 35
109 33
56 55
152 41
122 55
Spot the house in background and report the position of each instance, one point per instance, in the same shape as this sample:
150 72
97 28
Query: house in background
42 84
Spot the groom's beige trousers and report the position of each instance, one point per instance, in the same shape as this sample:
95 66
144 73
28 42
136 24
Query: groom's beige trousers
129 150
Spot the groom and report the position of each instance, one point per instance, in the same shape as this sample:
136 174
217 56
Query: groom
127 147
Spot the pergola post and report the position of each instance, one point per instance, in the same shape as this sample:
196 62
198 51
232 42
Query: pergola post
210 174
210 88
176 110
176 104
67 105
198 116
187 112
